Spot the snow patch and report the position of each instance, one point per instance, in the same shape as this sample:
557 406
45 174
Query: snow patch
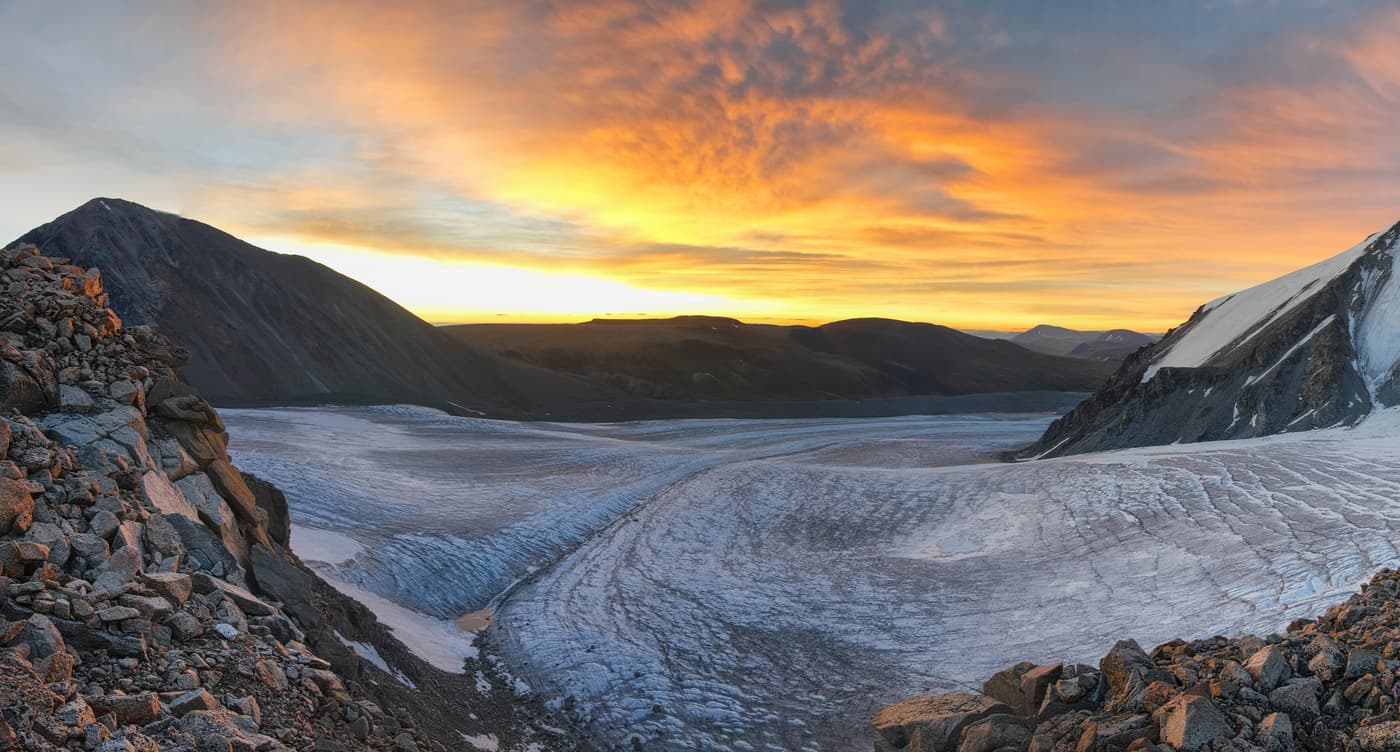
369 653
321 545
1378 335
482 742
437 642
1294 349
1231 321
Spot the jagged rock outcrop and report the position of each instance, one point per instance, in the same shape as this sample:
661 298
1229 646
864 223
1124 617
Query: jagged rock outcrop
147 596
1314 349
1329 684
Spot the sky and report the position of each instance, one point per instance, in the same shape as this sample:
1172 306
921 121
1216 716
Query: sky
989 165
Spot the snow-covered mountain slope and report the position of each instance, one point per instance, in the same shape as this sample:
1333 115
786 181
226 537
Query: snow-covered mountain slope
770 584
1315 348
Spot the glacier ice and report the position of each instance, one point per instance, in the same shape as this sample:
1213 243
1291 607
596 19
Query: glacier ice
769 584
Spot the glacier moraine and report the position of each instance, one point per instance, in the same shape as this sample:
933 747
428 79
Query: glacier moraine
770 583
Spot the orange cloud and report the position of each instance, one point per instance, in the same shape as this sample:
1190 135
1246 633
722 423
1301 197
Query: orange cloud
803 155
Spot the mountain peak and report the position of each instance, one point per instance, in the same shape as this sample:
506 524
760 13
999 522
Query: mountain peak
1316 348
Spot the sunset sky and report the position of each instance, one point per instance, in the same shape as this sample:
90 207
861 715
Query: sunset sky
979 164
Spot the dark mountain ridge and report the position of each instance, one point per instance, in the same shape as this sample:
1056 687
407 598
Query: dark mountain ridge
717 358
1103 345
264 327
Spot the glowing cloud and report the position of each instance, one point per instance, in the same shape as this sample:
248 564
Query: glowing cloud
976 164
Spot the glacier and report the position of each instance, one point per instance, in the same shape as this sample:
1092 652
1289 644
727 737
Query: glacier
741 584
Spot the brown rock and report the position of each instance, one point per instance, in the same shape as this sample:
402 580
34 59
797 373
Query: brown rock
195 700
1117 732
1191 722
1276 732
16 505
934 722
176 587
1128 671
139 709
1381 736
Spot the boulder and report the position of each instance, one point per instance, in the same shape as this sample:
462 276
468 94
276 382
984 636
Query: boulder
996 732
235 490
214 512
1116 733
125 391
1005 686
934 722
1330 661
1360 662
162 537
117 614
142 708
104 523
1298 700
1376 737
48 652
16 506
195 700
184 626
238 730
1023 686
118 570
1276 732
163 495
1191 722
19 389
74 399
1128 670
1269 667
89 546
75 713
206 550
55 539
176 587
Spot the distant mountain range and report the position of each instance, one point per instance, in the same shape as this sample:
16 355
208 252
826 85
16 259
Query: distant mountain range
1100 345
269 328
1316 348
714 358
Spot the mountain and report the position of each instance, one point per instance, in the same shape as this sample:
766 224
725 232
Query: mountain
263 327
269 328
712 358
1110 345
1316 348
149 583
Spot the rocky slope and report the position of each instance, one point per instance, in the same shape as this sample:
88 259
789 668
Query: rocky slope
693 358
1312 349
1329 684
148 597
263 327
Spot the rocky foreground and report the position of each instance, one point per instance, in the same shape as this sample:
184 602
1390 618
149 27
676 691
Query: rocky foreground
148 597
1328 684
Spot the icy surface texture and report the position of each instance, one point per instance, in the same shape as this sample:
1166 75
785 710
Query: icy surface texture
757 584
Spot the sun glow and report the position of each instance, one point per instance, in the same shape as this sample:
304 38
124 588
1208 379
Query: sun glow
450 292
